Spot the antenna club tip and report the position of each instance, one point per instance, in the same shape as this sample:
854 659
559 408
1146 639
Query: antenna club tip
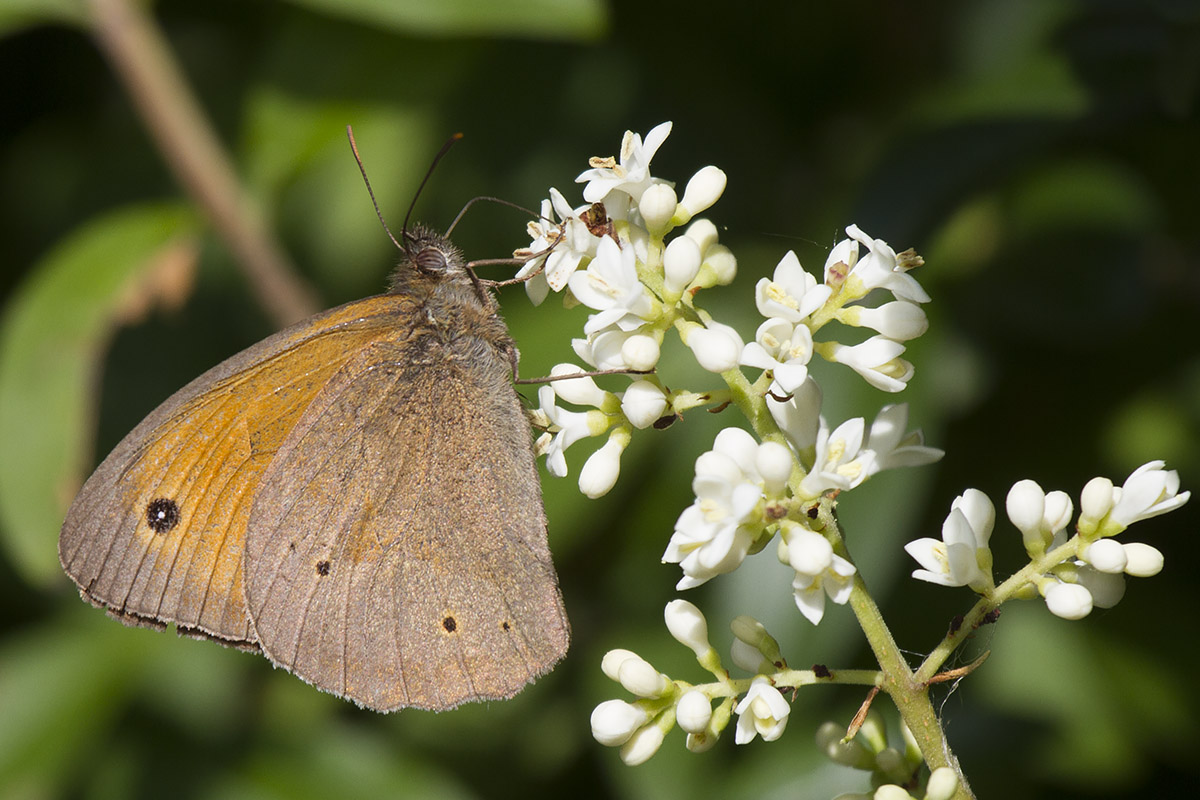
456 137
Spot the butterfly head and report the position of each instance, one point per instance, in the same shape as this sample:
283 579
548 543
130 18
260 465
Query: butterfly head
428 259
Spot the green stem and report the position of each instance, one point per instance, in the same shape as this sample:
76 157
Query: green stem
997 597
909 693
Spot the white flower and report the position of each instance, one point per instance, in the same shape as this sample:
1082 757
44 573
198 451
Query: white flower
774 463
581 391
602 468
1142 560
639 677
1037 515
1068 600
704 233
714 534
1095 502
687 624
820 572
693 712
877 360
1148 491
703 189
878 269
753 648
748 657
792 294
899 319
962 557
643 744
799 417
681 263
610 285
943 783
1105 588
614 721
785 349
610 665
889 446
561 247
572 425
717 347
632 174
836 465
617 349
657 206
643 404
762 712
1105 555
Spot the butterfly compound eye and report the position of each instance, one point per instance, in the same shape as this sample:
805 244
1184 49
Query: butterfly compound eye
431 261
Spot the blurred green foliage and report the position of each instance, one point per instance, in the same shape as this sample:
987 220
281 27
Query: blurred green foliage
1042 156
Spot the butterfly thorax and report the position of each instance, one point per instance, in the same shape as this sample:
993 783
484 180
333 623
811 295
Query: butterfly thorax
456 305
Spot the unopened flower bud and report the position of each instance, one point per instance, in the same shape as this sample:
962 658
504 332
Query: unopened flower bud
639 677
681 262
643 744
580 391
704 188
657 206
1068 600
614 721
643 404
687 624
717 347
774 463
640 352
1106 555
603 467
693 712
1143 561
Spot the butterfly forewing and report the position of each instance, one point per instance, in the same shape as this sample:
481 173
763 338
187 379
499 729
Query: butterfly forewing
156 533
397 554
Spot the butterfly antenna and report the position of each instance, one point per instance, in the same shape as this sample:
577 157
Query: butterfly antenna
499 200
445 149
370 191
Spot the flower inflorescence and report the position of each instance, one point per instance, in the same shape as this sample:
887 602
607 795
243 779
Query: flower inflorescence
638 257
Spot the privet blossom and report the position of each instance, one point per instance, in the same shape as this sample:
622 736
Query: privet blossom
640 259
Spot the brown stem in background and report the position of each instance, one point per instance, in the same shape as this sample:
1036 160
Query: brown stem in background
142 60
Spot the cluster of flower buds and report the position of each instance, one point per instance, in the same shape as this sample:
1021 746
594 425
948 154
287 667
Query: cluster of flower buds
1073 573
639 727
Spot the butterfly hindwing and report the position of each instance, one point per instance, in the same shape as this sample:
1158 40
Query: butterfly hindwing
397 553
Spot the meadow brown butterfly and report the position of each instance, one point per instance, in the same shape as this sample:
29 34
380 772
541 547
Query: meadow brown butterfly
355 497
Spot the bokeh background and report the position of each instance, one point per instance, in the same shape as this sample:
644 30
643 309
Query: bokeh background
1043 156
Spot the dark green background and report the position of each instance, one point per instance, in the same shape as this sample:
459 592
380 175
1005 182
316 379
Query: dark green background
1042 156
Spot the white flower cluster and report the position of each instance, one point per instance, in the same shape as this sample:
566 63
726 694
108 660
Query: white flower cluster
623 255
637 256
1073 574
640 727
744 496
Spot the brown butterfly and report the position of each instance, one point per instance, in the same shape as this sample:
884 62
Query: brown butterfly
354 496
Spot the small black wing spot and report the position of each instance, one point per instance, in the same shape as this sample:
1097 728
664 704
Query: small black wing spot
162 514
323 567
450 624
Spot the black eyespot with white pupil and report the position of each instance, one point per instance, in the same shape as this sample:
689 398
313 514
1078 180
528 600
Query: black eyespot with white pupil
162 514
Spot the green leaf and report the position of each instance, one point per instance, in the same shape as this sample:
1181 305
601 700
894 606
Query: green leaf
16 15
534 19
52 336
